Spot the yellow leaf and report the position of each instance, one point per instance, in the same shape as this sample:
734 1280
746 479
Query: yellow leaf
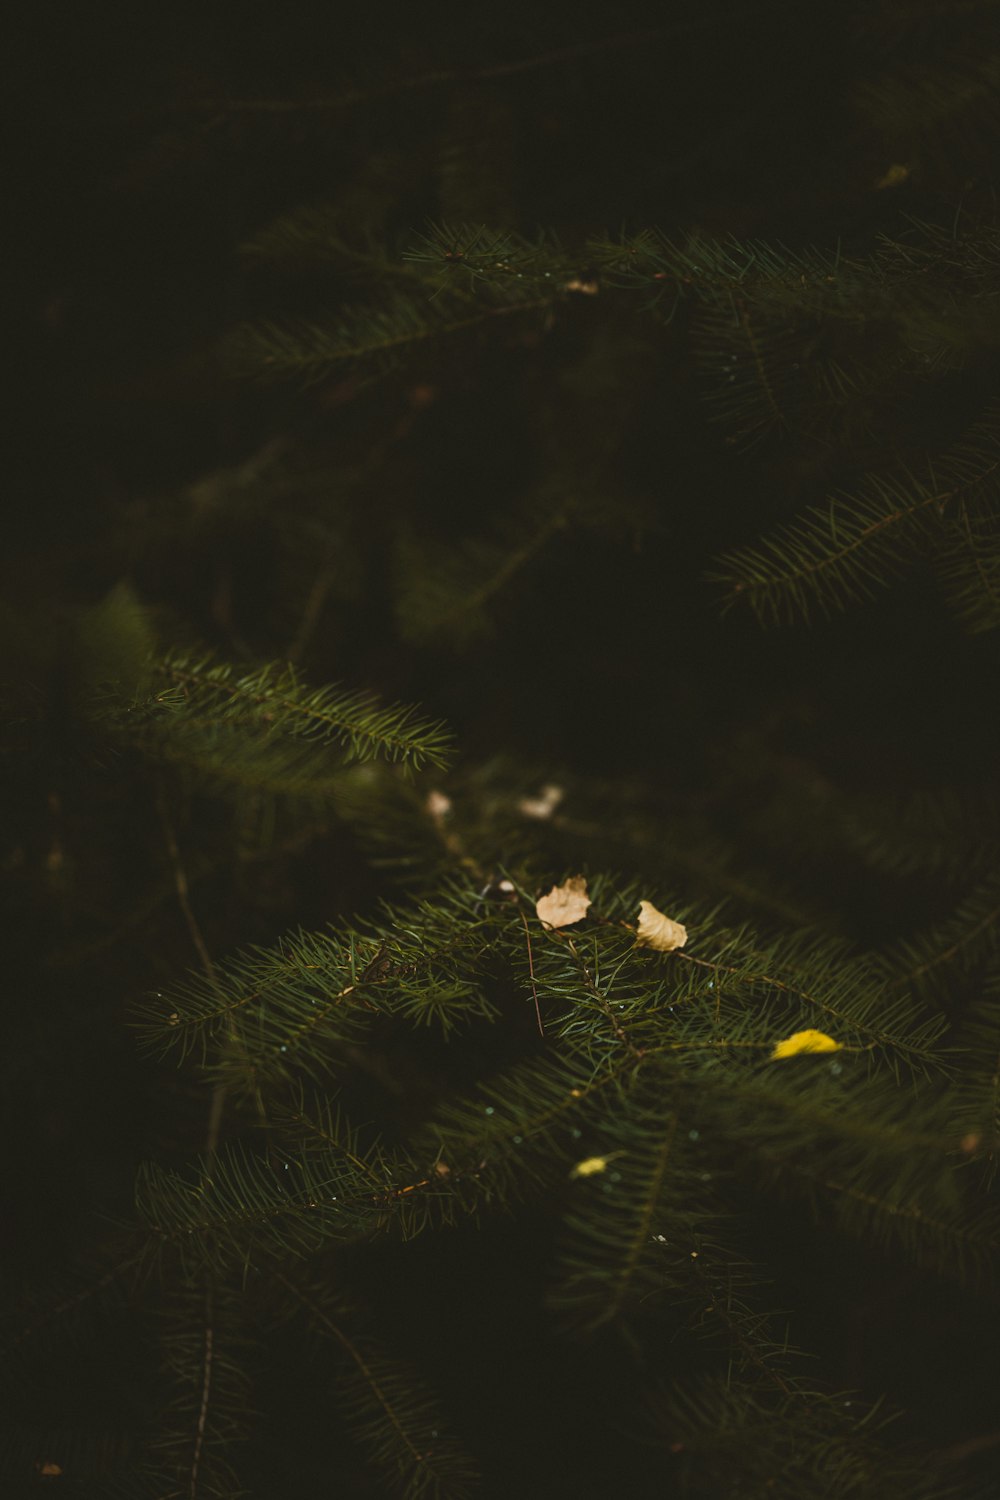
805 1041
658 931
590 1166
565 903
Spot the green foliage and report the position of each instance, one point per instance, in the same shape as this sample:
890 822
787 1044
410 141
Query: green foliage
839 555
391 1412
113 643
207 1360
399 1189
785 1442
264 733
961 942
288 1008
448 596
785 341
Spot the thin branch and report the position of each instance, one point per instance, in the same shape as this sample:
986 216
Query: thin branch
199 1435
181 886
949 953
649 1206
311 612
531 971
215 1112
359 1362
604 1004
829 560
439 76
51 1313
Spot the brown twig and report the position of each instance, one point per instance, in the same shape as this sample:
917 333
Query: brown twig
206 1383
531 971
181 886
215 1112
603 1003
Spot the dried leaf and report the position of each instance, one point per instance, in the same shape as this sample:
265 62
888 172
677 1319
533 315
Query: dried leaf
659 931
805 1041
565 903
438 805
896 174
496 889
590 1166
543 806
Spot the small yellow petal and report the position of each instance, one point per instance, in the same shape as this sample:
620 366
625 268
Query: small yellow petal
805 1041
658 931
590 1166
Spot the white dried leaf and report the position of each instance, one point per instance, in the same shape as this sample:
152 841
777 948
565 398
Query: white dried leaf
564 904
544 805
659 931
438 805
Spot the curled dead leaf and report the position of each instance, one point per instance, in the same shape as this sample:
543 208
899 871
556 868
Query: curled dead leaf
544 805
564 904
656 930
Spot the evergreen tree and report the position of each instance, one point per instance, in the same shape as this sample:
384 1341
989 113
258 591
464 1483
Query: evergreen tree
499 644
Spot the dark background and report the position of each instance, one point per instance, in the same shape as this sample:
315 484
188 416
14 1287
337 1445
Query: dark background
138 172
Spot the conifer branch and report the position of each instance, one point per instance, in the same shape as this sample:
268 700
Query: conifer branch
391 1412
971 1242
205 1353
372 337
206 1386
69 1304
853 546
639 1238
181 885
970 932
273 698
968 565
448 595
